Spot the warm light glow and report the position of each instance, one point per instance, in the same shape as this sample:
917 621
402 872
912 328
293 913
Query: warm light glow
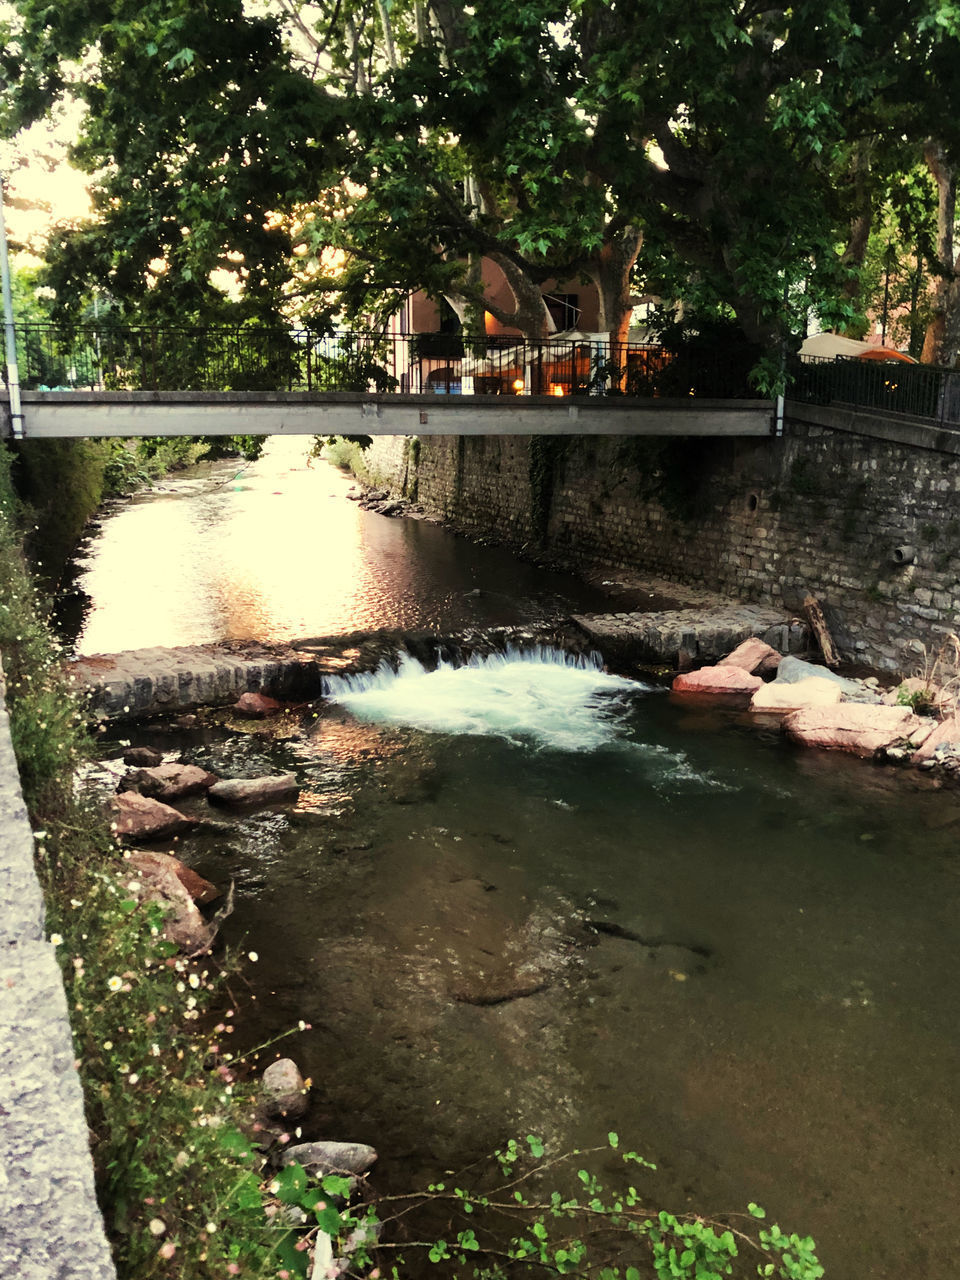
556 389
518 385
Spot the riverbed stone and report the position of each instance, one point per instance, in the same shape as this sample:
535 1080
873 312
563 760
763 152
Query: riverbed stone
184 926
168 781
321 1158
138 817
142 757
265 790
284 1091
255 706
946 735
784 696
717 680
152 863
753 655
862 730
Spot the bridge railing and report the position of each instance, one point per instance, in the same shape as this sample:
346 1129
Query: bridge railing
919 391
110 358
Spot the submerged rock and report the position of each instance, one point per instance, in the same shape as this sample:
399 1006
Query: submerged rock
321 1158
138 817
284 1091
168 781
142 757
719 679
266 790
793 669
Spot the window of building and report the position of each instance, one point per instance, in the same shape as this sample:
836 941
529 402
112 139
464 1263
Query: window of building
564 309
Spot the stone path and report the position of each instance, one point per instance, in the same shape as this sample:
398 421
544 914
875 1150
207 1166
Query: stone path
687 637
50 1227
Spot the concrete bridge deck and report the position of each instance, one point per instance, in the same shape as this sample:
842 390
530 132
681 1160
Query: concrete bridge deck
84 414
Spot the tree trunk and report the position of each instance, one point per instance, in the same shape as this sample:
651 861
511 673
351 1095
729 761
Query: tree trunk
610 272
942 341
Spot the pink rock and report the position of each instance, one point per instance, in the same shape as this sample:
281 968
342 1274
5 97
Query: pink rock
718 679
139 818
946 731
754 655
152 864
256 705
855 727
781 696
184 925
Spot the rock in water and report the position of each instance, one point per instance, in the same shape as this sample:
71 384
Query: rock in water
138 817
779 695
264 790
168 781
255 706
321 1158
851 726
184 925
284 1091
754 655
142 757
151 864
726 679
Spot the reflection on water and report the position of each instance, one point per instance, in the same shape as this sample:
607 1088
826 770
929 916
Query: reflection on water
271 551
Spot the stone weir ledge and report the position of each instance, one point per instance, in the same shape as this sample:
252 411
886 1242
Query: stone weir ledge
141 683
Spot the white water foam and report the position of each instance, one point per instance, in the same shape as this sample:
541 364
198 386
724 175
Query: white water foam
544 696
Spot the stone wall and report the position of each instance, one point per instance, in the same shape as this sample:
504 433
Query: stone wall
819 511
50 1226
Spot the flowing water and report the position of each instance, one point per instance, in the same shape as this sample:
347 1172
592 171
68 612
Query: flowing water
527 896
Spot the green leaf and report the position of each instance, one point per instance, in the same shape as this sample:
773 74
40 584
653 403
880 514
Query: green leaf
291 1182
535 1145
613 1139
328 1219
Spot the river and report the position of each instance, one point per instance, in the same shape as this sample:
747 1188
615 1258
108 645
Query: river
534 898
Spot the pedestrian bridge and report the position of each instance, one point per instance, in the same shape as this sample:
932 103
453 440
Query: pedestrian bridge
103 380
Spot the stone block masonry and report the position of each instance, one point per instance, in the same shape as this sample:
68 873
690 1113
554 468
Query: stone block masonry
50 1226
868 525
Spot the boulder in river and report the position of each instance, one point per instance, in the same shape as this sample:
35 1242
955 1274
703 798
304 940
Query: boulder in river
725 679
854 727
753 655
793 669
168 781
782 696
138 818
284 1091
152 863
321 1158
184 925
256 706
266 790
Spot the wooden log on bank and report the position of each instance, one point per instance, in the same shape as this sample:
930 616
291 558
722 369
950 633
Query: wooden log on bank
818 625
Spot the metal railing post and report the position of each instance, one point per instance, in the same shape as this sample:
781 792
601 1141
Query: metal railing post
10 333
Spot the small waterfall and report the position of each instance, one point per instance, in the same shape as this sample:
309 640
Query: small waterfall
534 694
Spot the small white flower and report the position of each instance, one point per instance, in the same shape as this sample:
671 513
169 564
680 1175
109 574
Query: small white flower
210 1227
194 981
108 1045
114 983
56 939
252 955
132 1078
157 1227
